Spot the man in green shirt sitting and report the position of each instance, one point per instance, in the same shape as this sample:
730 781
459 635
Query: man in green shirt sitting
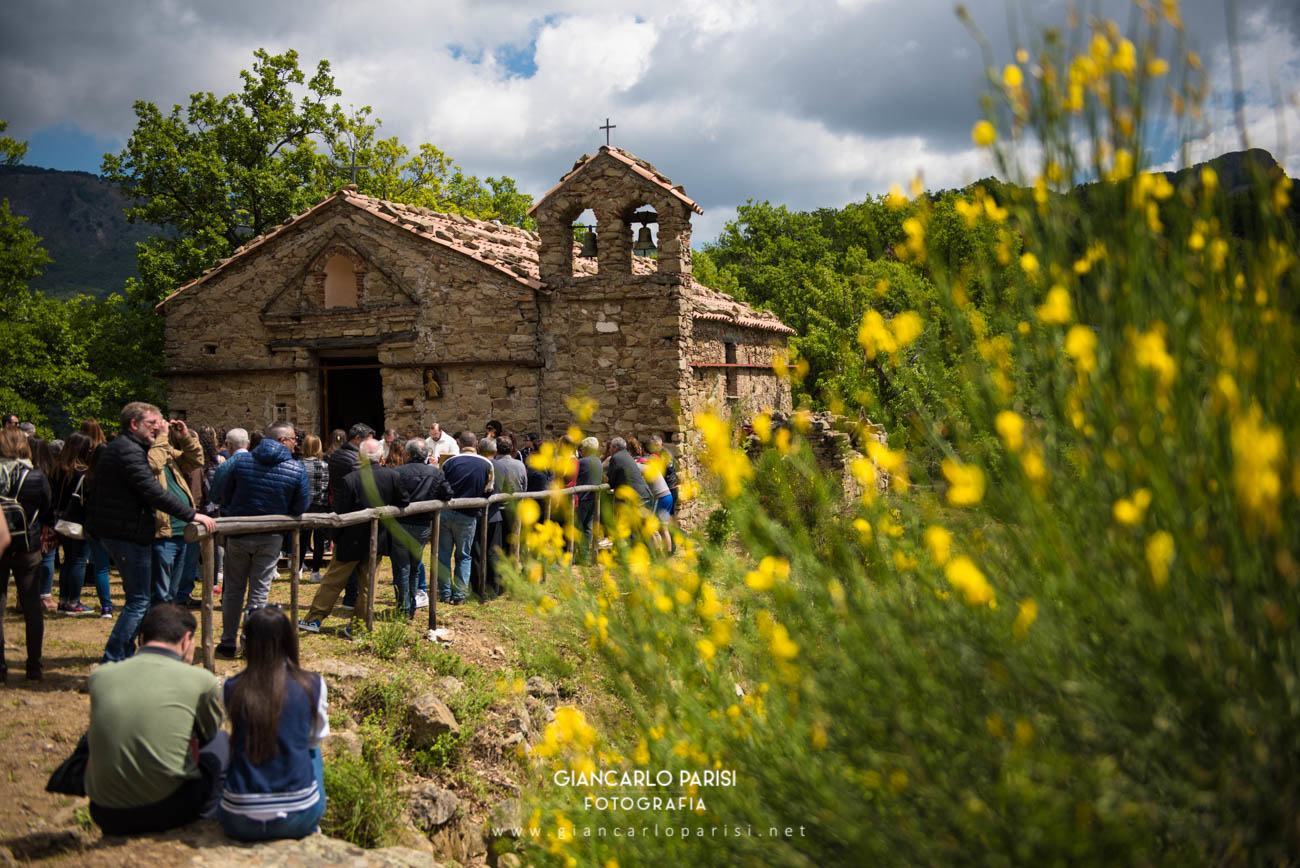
157 752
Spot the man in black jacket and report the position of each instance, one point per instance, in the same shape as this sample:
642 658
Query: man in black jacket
352 545
122 494
341 462
421 480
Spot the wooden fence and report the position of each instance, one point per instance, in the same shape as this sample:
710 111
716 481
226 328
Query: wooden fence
239 525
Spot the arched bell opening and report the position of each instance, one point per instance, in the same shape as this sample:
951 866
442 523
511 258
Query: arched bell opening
643 225
586 253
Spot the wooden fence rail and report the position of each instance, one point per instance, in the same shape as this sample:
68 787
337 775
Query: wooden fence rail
240 525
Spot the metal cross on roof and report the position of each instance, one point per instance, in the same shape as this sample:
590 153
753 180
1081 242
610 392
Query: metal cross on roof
352 169
607 127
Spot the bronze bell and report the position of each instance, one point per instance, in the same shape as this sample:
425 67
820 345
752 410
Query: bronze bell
644 245
589 244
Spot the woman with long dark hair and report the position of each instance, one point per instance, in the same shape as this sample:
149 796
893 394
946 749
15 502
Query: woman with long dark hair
69 505
275 786
92 429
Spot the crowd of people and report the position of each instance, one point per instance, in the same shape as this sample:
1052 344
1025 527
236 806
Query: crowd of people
156 755
91 500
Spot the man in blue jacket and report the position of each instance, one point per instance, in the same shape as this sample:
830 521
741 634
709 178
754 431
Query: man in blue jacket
266 481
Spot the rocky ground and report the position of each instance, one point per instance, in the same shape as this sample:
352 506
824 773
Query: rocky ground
500 644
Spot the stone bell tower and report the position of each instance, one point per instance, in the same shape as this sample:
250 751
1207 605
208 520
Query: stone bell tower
615 326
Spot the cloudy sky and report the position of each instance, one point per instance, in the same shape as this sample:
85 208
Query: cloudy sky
803 103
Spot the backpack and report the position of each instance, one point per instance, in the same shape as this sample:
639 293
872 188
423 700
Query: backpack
15 515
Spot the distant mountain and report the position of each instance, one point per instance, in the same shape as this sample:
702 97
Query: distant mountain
79 217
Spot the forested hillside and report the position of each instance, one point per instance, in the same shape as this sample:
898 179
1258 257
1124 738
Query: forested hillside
82 224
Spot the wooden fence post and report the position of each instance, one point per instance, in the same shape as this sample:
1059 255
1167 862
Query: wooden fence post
434 544
596 532
483 561
295 574
371 573
208 551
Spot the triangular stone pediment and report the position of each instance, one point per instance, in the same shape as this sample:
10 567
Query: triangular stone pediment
303 292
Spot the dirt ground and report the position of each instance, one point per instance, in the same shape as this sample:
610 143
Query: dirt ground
40 722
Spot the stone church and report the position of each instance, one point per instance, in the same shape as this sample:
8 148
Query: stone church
363 310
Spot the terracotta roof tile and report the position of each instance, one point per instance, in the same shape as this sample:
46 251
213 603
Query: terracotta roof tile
638 165
508 249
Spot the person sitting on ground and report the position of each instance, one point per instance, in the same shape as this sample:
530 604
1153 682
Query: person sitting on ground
624 471
122 496
275 785
421 480
266 481
469 475
352 545
157 751
28 491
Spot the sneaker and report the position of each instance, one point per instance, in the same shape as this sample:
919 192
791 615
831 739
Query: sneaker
344 608
314 578
106 612
421 599
309 626
227 652
346 632
74 609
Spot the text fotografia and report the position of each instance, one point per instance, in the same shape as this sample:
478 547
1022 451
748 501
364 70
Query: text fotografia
645 779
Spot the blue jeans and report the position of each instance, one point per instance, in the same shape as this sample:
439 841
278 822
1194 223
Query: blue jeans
135 563
72 575
47 572
298 824
404 563
168 561
183 584
421 580
458 531
98 557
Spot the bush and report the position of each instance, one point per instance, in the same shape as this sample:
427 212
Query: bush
1069 638
388 639
364 805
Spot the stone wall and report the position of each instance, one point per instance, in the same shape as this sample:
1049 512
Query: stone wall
420 305
614 336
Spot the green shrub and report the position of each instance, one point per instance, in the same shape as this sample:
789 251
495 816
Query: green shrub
383 699
388 639
364 805
1066 635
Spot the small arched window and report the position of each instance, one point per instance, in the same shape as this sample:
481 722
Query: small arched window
340 282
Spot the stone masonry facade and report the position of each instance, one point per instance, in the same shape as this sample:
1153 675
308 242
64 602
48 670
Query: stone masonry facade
469 320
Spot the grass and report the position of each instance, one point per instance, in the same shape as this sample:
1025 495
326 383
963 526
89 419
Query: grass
365 806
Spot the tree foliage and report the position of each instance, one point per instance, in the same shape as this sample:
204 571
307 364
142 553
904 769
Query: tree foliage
211 173
222 169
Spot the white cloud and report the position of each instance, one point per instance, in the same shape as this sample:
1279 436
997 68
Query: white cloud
803 104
